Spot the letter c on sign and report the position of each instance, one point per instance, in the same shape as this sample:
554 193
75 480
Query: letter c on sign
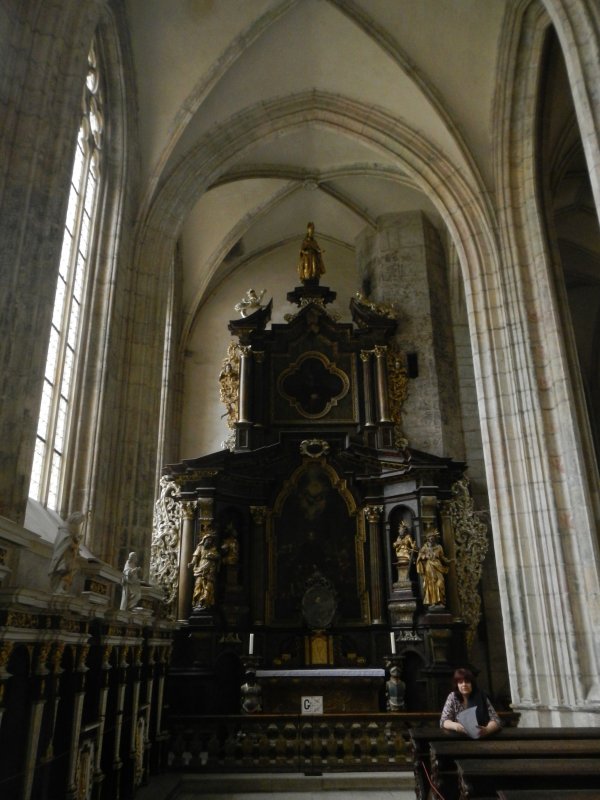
307 704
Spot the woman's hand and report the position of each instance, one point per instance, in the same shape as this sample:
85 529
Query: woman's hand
450 725
485 730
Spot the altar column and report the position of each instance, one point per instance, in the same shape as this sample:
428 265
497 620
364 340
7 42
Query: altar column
366 358
373 515
184 599
257 558
245 384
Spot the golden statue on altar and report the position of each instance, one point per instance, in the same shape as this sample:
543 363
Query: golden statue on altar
310 265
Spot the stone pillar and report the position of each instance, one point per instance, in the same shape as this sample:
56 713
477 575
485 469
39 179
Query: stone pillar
373 515
184 598
257 557
402 262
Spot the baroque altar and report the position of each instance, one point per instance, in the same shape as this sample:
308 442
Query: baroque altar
317 546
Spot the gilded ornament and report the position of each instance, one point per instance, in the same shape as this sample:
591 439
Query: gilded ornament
471 543
229 381
373 514
398 392
259 514
57 655
314 448
82 658
383 309
6 649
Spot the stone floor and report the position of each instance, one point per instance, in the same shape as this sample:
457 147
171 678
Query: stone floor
293 786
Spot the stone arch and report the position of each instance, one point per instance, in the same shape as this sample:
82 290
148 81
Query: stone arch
544 498
458 195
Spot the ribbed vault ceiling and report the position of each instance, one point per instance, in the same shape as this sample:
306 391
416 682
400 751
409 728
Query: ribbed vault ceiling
207 70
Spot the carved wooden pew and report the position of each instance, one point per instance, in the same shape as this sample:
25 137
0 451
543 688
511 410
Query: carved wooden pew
482 778
443 755
421 739
548 794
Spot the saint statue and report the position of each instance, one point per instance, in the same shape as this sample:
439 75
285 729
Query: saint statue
394 691
131 583
310 265
64 555
404 547
205 563
432 566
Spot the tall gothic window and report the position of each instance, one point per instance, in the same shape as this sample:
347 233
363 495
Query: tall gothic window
60 382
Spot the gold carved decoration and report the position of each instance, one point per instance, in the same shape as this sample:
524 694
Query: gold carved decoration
398 392
259 514
373 514
229 380
164 549
471 543
82 658
314 448
383 309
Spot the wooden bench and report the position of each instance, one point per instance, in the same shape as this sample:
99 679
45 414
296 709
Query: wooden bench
444 754
421 739
479 778
548 794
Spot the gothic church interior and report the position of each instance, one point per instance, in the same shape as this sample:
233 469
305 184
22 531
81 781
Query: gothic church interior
160 161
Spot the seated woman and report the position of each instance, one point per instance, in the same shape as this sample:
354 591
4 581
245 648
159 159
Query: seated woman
466 695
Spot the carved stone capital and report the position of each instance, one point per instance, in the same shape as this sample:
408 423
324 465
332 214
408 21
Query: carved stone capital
259 514
188 509
373 514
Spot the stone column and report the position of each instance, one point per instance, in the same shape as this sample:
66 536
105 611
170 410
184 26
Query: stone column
373 515
184 598
403 262
257 556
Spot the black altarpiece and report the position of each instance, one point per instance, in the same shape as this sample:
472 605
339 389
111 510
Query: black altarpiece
303 515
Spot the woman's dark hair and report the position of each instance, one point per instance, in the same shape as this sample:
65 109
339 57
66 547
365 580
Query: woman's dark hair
477 698
463 674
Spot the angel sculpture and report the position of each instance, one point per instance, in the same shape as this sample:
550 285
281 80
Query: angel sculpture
250 303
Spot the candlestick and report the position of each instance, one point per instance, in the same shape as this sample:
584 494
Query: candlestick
393 642
251 645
